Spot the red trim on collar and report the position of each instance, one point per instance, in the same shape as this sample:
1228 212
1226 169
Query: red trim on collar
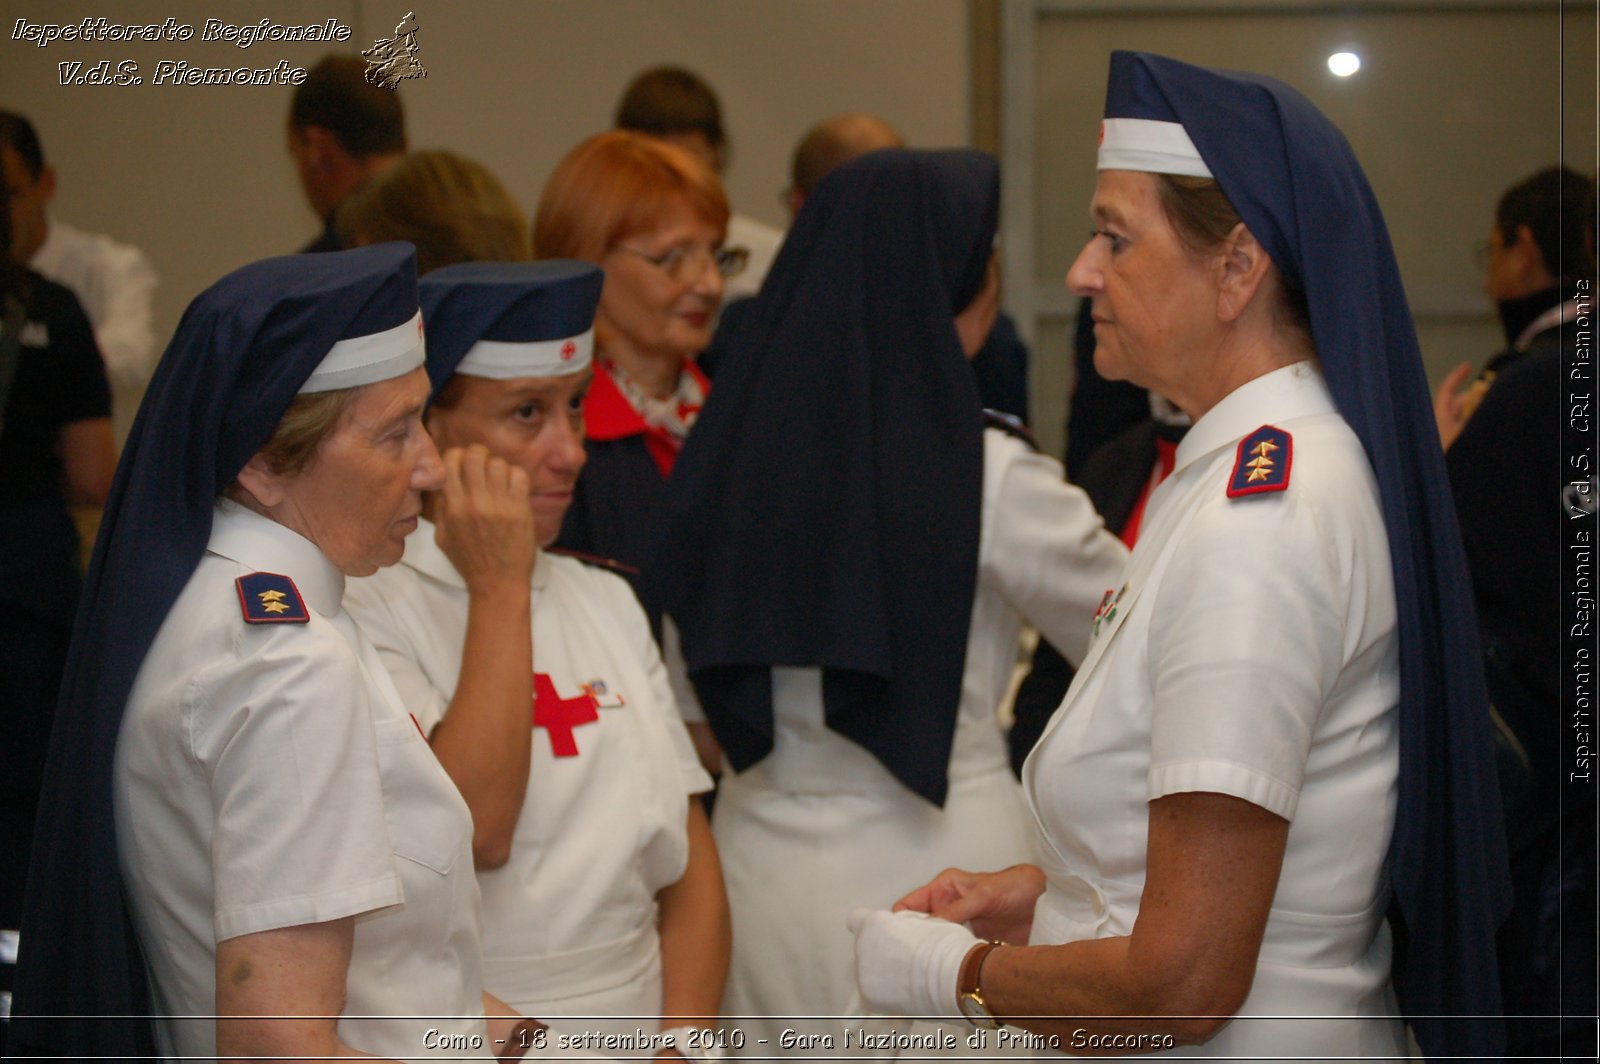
1166 461
607 413
663 449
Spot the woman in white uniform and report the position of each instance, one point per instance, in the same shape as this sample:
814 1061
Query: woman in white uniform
296 864
1255 720
540 685
850 555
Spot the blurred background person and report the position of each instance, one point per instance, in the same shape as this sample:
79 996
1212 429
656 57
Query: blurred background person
343 132
603 898
449 207
1538 259
1505 442
850 554
237 765
1001 366
55 453
655 220
825 147
113 281
679 107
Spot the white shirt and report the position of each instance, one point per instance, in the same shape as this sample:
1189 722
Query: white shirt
603 829
1253 652
762 241
116 284
1044 558
266 776
819 827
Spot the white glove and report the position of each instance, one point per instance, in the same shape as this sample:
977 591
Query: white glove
908 963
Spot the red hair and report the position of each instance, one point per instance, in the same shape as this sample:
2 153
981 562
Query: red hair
614 185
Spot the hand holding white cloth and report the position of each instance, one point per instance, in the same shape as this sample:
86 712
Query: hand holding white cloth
908 963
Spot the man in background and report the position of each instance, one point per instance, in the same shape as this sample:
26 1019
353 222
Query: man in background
1540 249
343 132
1000 367
114 281
830 144
1503 436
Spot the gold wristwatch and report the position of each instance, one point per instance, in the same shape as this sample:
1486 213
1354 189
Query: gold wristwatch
969 991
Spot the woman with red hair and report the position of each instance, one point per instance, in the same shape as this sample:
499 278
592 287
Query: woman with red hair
654 218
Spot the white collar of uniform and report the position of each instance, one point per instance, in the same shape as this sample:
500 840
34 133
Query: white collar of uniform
423 555
1271 399
263 545
1557 315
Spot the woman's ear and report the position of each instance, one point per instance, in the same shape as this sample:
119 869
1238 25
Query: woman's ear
1243 266
262 484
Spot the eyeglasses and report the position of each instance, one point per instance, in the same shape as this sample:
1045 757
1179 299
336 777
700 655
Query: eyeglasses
686 262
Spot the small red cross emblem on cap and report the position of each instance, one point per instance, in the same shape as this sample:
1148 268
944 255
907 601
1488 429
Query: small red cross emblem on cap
1102 139
568 349
419 326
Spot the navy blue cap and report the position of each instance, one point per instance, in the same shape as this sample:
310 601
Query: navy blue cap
1297 184
510 319
1140 130
244 349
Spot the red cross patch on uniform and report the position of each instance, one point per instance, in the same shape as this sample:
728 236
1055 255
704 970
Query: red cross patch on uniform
558 716
270 598
1262 463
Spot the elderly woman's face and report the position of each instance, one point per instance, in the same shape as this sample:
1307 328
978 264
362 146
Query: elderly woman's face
360 496
662 287
532 422
1153 298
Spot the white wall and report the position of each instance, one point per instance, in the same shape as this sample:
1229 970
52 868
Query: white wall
199 176
1456 101
1463 98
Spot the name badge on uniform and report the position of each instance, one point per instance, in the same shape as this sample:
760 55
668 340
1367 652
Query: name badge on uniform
1107 611
604 695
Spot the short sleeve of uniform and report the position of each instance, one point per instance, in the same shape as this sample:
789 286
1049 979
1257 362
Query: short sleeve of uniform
368 601
1044 544
1245 644
624 606
286 739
